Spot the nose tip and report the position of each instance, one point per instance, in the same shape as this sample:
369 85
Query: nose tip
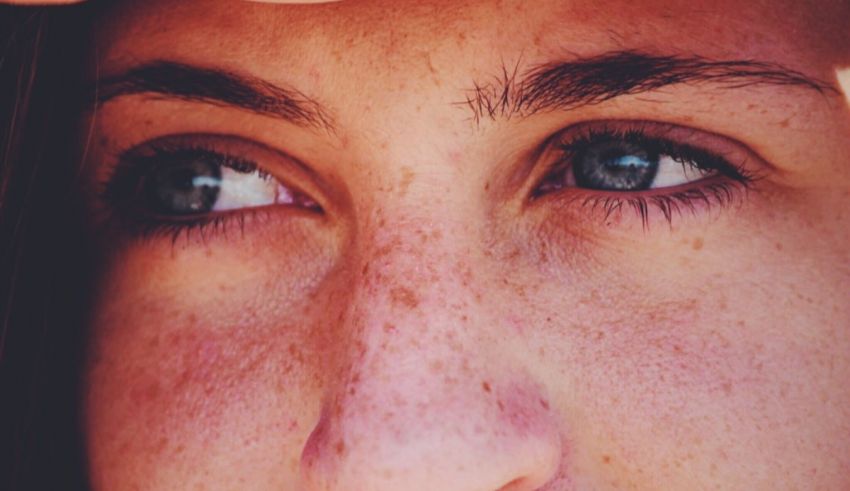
495 442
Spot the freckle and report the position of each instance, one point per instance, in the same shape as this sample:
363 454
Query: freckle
404 296
486 387
487 186
407 176
154 342
778 246
606 459
340 447
295 353
698 242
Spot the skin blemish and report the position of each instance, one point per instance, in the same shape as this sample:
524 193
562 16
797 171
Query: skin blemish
517 324
404 296
407 176
697 244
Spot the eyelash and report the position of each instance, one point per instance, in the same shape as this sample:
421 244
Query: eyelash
730 183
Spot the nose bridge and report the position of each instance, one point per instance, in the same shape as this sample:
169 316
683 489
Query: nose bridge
414 405
414 290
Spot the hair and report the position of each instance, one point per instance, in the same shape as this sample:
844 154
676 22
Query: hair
44 258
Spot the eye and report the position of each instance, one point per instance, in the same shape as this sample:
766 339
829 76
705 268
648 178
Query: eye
630 163
186 182
197 181
643 164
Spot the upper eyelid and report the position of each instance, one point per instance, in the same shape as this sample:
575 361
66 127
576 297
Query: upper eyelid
686 136
235 147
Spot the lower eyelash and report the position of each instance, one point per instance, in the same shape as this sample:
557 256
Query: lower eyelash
202 227
667 205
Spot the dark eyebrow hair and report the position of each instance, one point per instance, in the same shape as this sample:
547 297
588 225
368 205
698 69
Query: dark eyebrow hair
587 81
213 86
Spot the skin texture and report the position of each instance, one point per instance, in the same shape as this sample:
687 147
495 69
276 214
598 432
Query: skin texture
435 328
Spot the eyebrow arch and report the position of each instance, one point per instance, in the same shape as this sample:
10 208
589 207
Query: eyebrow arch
170 79
593 80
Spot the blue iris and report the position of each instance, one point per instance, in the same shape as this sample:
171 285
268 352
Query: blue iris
614 164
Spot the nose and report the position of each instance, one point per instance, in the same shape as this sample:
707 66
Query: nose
423 400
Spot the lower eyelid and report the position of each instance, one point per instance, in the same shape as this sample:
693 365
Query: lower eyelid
645 209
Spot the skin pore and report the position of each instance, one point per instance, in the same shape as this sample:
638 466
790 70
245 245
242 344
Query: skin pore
438 322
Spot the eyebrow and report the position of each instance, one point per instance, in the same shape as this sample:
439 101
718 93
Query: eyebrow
170 79
593 80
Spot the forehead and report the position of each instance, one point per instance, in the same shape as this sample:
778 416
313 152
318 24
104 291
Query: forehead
372 62
385 34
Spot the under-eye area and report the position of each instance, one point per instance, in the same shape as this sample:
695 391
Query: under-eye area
654 171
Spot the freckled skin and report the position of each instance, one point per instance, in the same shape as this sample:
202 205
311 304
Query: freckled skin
434 329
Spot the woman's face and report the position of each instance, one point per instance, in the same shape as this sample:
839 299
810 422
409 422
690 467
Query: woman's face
471 246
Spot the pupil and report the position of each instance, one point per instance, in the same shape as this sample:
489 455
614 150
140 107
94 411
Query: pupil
615 165
186 187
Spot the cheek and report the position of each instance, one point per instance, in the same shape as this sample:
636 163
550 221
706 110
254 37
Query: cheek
181 381
708 373
188 383
190 336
